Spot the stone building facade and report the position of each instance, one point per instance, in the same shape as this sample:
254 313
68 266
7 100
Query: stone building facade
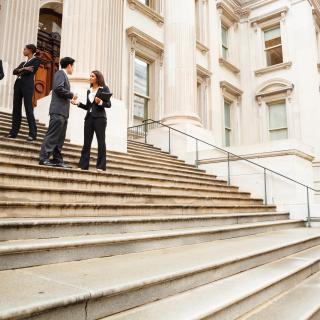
242 75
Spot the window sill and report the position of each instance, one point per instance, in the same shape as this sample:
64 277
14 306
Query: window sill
204 49
229 65
135 4
280 66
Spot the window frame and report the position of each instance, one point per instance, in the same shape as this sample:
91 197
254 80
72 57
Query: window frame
275 26
277 102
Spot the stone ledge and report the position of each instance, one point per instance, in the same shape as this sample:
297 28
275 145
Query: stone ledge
135 4
229 65
280 66
204 49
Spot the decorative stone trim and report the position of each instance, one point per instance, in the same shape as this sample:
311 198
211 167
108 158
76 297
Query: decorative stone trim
229 65
203 72
204 49
231 89
135 4
260 155
137 36
279 13
224 10
280 66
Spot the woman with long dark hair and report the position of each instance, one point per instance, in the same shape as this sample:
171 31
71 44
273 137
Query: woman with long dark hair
98 98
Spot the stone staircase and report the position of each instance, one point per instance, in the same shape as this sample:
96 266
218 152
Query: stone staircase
151 238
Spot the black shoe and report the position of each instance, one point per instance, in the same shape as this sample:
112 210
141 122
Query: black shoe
62 165
46 162
10 136
30 139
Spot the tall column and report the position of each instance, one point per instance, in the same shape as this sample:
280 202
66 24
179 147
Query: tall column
92 35
180 62
19 21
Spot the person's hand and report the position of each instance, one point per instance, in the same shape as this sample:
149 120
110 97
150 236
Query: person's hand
28 69
97 100
75 101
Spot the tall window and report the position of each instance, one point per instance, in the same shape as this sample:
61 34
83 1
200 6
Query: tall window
227 123
278 128
145 2
198 20
141 91
224 37
273 46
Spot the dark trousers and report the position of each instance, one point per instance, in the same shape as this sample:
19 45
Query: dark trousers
54 138
25 92
91 126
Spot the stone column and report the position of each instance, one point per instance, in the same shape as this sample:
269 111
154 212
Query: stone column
180 63
92 34
18 26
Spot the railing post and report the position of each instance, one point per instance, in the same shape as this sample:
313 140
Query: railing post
145 131
265 186
229 169
197 154
308 206
169 140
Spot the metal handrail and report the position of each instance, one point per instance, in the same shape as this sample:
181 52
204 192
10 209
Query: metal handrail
197 140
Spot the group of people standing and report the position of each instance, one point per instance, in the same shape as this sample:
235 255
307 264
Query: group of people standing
98 98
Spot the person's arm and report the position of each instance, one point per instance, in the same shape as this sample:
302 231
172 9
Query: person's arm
17 71
33 68
108 103
60 89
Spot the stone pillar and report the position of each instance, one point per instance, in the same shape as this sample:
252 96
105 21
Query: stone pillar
92 34
180 63
18 26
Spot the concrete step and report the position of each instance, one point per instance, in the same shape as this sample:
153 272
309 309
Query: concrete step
16 168
142 144
24 130
301 302
13 229
28 149
65 194
4 116
24 126
77 148
227 298
26 253
27 209
36 180
97 288
113 166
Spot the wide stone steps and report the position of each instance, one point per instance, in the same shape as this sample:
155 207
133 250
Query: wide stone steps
32 153
33 209
45 228
227 298
15 167
301 302
36 180
26 253
97 288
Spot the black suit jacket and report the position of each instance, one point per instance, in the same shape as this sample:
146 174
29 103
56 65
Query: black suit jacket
27 77
1 71
97 111
61 95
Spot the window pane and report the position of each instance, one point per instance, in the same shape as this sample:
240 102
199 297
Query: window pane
279 134
277 116
272 34
141 77
227 118
146 2
224 36
227 137
224 52
140 107
274 56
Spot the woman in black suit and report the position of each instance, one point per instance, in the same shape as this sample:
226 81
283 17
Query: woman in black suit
95 121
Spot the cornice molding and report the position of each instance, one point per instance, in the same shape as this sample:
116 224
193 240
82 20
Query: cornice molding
138 36
136 4
230 88
203 72
229 65
278 13
204 49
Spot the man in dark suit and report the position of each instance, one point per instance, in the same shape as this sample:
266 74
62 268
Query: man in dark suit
59 114
23 89
1 71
